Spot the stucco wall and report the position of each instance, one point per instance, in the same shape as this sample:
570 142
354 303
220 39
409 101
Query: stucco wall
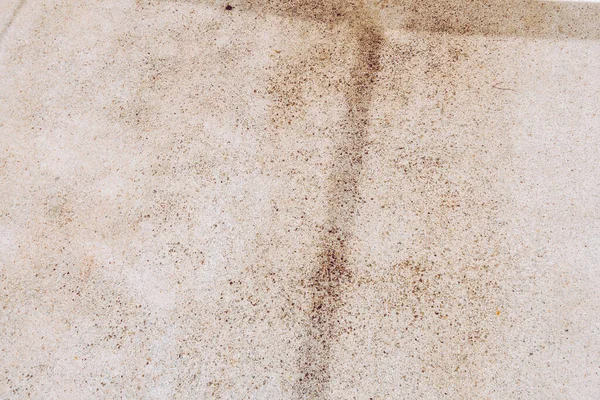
300 199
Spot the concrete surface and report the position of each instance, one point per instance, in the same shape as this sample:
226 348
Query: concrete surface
299 199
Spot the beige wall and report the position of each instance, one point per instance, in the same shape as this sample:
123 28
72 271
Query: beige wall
392 200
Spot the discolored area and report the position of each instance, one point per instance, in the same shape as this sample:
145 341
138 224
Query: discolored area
333 275
299 199
509 18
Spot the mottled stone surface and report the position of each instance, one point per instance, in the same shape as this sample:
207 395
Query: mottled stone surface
299 199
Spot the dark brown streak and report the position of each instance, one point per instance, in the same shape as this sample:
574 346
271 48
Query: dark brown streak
511 18
497 86
332 275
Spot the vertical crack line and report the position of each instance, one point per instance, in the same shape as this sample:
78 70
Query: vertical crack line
11 19
332 276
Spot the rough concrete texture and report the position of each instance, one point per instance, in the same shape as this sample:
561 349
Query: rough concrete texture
299 199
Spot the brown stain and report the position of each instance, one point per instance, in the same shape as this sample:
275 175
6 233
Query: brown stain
354 28
512 18
436 285
516 18
332 276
